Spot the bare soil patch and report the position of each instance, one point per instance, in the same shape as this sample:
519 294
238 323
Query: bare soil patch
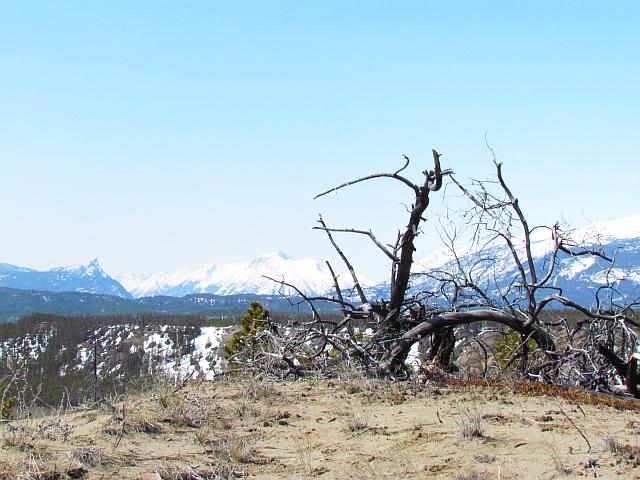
360 429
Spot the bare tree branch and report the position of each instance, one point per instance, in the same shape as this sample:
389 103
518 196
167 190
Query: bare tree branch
368 233
356 283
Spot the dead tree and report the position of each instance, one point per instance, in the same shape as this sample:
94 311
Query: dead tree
401 254
595 353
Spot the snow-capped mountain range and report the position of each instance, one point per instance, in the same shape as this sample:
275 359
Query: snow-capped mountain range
578 277
310 276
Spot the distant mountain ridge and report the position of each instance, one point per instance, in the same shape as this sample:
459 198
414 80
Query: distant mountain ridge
310 276
578 277
16 303
87 278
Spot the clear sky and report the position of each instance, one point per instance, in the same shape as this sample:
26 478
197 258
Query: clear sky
157 135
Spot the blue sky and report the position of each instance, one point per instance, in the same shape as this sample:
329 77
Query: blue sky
157 135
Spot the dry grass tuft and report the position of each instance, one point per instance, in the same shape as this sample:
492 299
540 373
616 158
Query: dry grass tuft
137 420
472 475
57 429
209 472
261 391
352 380
141 422
188 412
90 457
355 423
36 465
245 407
20 436
484 458
622 451
558 460
493 416
304 452
470 423
25 436
611 444
239 449
206 436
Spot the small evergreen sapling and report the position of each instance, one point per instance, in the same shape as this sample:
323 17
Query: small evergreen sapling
506 347
6 400
243 345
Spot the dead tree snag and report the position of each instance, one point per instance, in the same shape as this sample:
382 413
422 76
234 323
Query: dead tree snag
595 349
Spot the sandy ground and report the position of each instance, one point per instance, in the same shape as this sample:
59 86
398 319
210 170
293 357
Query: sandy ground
353 428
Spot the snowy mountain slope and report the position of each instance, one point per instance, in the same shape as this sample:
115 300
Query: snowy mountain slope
121 350
88 278
578 277
7 269
310 276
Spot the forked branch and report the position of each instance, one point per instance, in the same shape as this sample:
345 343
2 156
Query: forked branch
354 277
368 233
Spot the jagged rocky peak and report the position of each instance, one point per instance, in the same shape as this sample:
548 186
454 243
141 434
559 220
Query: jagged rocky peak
89 268
92 267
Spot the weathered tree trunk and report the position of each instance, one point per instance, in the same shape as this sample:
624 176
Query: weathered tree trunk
524 354
443 342
396 356
432 183
628 371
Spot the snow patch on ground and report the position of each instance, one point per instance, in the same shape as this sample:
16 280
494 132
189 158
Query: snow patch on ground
206 347
413 358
